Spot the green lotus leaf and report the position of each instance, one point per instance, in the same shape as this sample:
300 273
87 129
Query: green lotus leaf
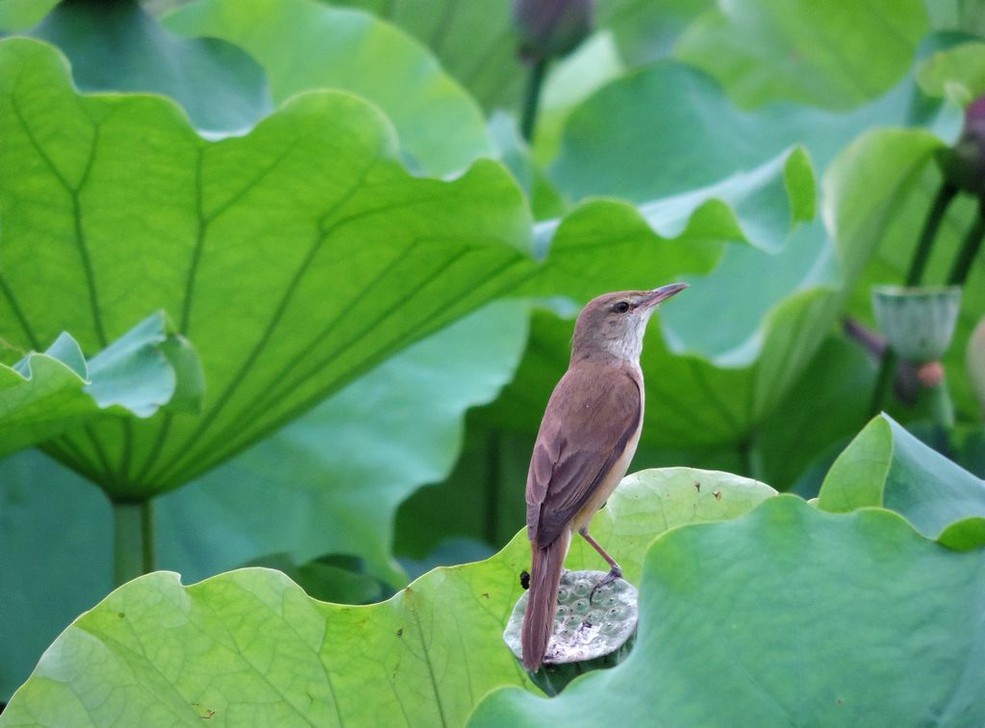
708 652
390 431
305 45
46 394
119 47
250 646
773 50
887 466
299 255
474 41
647 245
337 499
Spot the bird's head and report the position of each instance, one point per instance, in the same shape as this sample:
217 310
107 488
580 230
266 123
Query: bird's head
612 325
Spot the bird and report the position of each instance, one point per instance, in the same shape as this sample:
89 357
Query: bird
586 440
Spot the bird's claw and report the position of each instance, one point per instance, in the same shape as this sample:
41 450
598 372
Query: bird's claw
614 573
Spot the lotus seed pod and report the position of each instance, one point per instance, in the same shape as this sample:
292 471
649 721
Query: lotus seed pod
975 363
594 628
964 163
918 322
551 28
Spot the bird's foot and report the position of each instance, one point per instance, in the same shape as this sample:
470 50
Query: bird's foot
614 573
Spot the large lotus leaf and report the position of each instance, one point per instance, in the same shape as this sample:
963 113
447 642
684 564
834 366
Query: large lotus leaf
748 623
474 41
650 502
723 318
354 458
647 31
296 257
44 395
332 498
645 246
887 466
667 128
770 50
876 196
641 159
250 648
119 47
304 44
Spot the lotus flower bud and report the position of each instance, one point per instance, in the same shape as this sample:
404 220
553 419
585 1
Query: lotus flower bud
594 628
964 163
551 28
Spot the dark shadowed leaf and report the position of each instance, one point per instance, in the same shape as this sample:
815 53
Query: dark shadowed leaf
118 47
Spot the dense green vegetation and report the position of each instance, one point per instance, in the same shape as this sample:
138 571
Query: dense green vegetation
286 282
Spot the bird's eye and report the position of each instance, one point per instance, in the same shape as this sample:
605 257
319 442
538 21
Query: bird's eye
621 307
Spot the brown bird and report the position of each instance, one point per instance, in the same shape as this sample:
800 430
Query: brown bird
586 440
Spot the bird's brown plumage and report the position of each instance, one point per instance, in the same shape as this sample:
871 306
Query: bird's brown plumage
586 440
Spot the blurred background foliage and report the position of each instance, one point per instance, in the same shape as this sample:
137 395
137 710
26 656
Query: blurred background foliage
386 273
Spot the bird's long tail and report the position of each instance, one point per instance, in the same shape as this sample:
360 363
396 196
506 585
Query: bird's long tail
538 620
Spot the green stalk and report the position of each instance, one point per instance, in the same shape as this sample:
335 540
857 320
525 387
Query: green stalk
941 406
935 216
887 367
531 98
149 536
969 248
133 540
930 227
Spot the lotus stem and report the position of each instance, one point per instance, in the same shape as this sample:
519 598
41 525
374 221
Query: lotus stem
918 264
531 97
133 540
969 248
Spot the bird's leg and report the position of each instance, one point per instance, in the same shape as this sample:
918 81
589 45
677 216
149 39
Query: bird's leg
615 571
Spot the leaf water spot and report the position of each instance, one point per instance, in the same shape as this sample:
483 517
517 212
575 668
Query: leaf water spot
697 486
717 494
400 632
121 615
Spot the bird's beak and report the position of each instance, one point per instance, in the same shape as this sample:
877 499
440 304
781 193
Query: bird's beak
661 294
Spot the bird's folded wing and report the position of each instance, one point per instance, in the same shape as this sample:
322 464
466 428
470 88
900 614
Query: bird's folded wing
591 416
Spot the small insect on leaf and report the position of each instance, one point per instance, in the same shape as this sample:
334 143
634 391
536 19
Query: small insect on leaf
525 579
